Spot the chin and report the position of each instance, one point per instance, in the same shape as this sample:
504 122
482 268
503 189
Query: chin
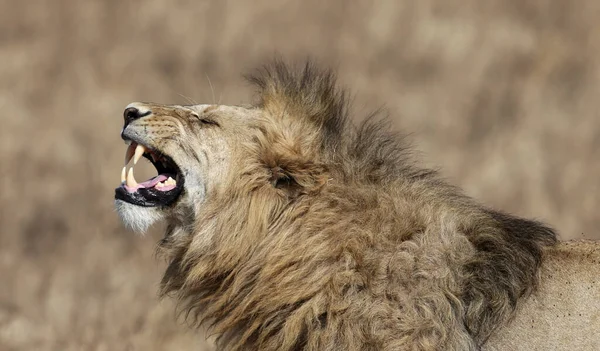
138 218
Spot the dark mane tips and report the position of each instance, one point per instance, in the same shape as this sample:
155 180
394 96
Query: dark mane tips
309 93
370 151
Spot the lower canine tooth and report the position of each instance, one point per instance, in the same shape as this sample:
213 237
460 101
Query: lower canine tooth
124 174
131 180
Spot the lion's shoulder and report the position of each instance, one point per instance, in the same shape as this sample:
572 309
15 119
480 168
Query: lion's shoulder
563 314
577 260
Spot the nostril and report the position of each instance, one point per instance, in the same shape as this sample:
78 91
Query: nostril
132 113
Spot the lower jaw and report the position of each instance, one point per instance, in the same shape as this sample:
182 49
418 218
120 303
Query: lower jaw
148 197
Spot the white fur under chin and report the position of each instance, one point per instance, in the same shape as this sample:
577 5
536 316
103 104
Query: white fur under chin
137 218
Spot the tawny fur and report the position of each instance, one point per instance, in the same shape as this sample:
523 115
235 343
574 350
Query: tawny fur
563 313
326 236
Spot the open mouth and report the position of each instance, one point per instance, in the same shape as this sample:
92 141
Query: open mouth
161 190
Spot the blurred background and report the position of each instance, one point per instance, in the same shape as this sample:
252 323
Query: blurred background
502 95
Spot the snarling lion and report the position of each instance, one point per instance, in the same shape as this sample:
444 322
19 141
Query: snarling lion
290 228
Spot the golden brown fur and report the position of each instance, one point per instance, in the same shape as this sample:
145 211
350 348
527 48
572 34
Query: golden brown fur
325 236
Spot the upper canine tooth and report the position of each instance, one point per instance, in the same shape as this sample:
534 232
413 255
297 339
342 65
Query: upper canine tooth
129 152
130 179
139 151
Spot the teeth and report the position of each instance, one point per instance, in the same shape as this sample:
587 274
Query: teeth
170 181
135 152
130 179
129 152
139 151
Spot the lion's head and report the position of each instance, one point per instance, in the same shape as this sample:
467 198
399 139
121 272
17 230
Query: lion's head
203 151
193 149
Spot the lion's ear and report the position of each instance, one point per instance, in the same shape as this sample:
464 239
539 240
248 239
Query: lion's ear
297 177
291 162
280 179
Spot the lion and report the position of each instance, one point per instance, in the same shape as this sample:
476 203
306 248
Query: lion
291 228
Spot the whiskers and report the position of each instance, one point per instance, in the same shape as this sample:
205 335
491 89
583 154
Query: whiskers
188 99
191 101
212 90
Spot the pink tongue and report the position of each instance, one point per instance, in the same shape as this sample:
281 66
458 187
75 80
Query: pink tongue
151 183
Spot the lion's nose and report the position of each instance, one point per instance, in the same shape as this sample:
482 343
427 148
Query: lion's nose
132 113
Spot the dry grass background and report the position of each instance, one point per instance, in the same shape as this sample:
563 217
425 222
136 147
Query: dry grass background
502 95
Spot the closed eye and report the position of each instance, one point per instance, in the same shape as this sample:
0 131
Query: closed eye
208 121
205 119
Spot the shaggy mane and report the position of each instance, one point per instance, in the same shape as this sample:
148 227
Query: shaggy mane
376 154
329 237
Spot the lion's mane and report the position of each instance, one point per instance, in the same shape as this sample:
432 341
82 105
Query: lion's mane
330 237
